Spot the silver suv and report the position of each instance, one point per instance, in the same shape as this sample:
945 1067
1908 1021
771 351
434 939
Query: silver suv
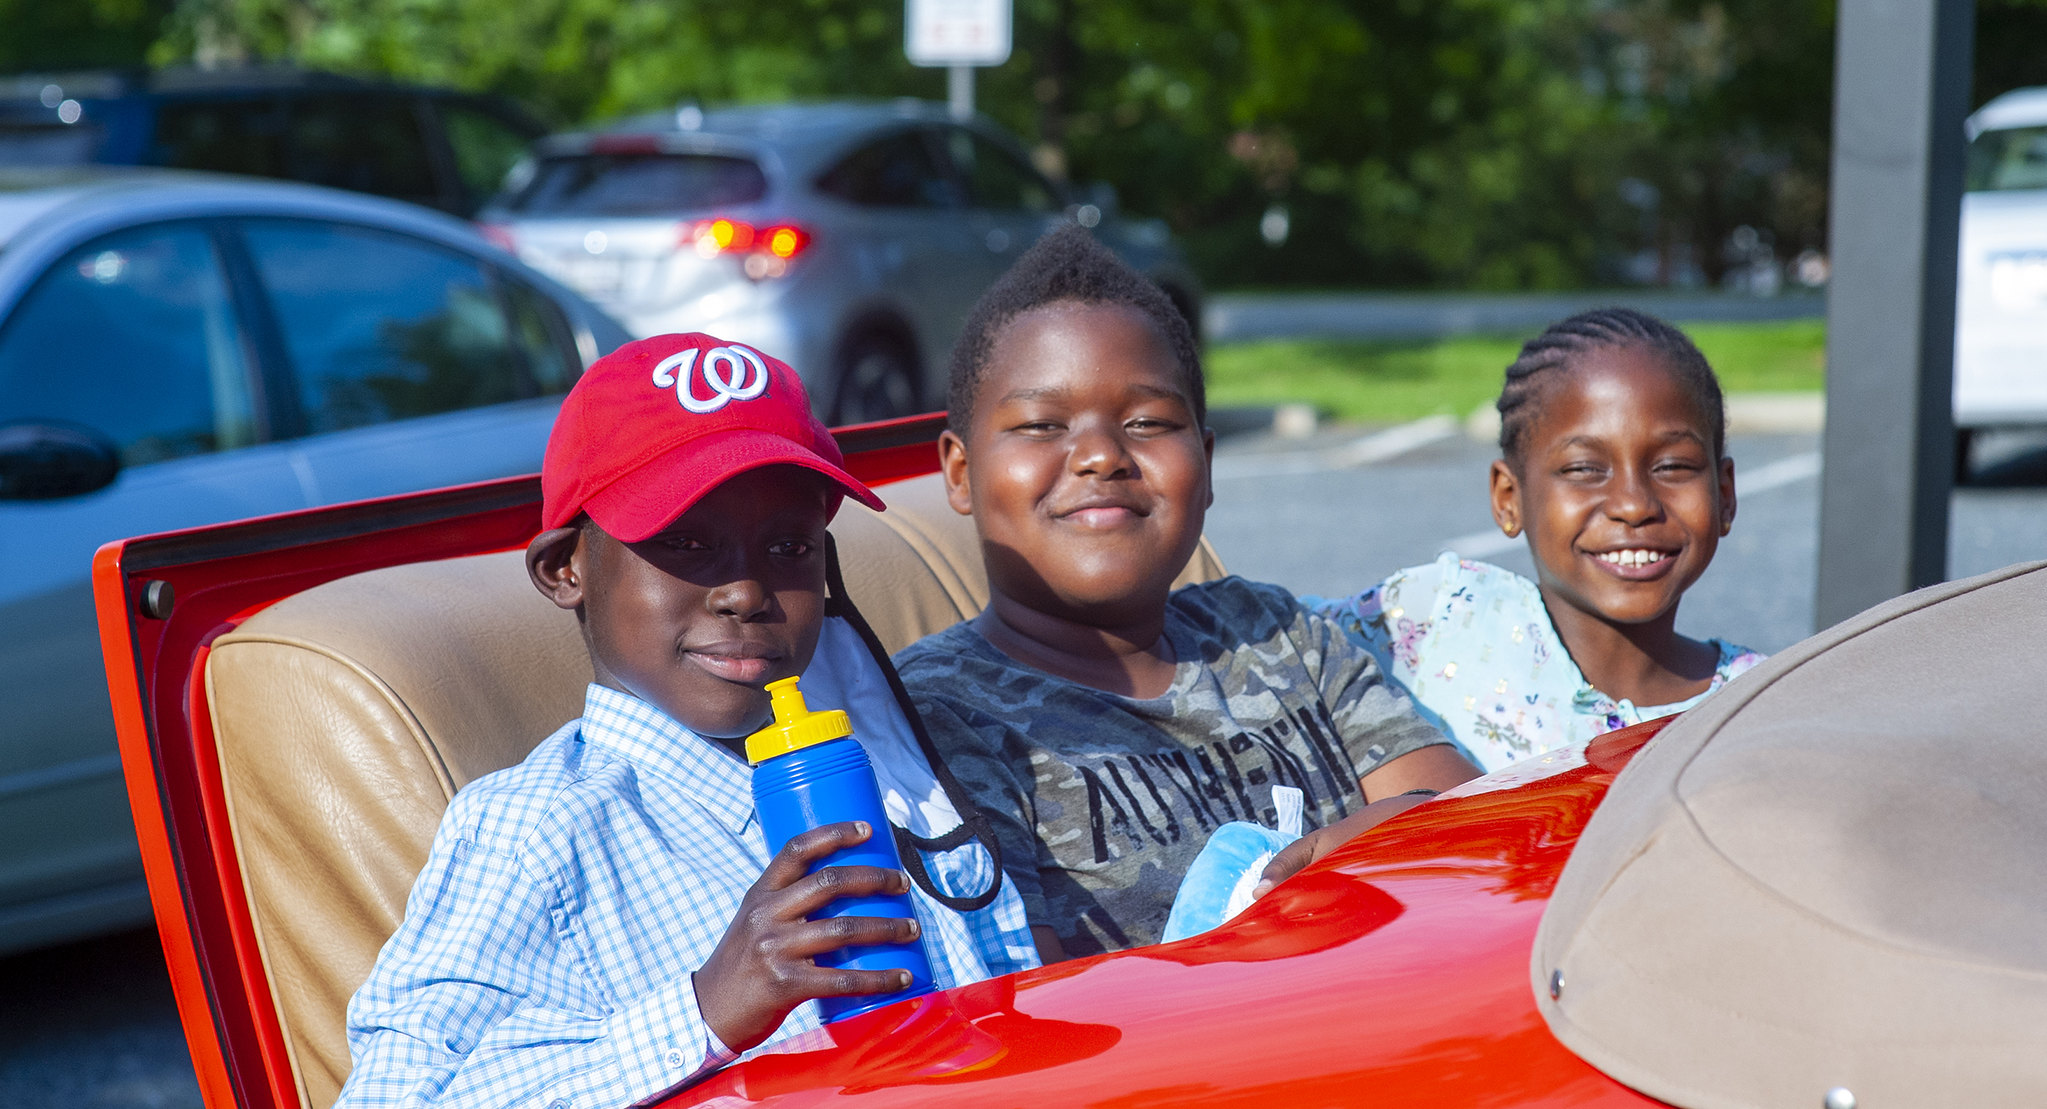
849 239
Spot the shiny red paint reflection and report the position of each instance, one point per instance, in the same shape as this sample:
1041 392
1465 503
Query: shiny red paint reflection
1393 973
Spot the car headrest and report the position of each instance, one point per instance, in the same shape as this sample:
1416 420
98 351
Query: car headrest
1827 876
346 717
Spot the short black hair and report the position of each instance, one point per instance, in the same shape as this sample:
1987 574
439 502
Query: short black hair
1604 329
1066 265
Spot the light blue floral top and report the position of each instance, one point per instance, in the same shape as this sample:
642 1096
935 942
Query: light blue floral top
1474 646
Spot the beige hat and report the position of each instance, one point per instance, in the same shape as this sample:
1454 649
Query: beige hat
1827 885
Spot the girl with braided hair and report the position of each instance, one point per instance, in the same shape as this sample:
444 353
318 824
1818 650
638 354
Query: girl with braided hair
1613 464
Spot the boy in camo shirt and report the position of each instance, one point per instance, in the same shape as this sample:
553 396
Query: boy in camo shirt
1104 723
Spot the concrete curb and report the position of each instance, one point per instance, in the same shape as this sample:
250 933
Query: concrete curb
1369 449
1776 413
1238 317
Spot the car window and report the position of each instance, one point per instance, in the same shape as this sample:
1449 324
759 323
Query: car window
638 184
485 148
383 327
544 337
997 179
2009 158
366 143
896 172
228 136
133 335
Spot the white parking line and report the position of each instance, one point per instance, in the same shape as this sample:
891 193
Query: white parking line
1480 544
1772 475
1366 450
1778 474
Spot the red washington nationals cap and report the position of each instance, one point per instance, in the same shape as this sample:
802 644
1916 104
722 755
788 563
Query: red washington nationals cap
656 424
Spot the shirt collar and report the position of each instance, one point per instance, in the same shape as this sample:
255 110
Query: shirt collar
1589 700
657 742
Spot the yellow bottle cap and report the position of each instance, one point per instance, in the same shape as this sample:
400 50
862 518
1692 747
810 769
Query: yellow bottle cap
795 726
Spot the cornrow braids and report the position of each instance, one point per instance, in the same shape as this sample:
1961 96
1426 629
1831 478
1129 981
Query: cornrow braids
1066 265
1603 329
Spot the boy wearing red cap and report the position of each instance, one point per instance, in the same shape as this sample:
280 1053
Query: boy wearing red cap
603 922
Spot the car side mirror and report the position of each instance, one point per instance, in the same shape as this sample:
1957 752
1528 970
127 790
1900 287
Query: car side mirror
45 461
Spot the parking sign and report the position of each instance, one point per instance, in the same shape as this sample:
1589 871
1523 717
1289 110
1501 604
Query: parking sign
956 32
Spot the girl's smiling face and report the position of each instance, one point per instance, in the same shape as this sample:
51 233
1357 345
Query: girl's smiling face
1085 468
1619 488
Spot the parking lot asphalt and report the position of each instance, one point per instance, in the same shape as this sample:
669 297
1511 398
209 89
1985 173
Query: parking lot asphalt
1292 512
1337 530
93 1024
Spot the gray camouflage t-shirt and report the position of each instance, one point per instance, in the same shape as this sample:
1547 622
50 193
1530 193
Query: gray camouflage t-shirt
1100 802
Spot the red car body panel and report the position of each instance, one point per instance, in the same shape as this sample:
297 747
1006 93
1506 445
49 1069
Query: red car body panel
1394 972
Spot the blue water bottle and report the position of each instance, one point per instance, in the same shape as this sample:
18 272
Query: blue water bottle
809 771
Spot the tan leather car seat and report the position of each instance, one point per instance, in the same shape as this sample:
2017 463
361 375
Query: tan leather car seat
348 715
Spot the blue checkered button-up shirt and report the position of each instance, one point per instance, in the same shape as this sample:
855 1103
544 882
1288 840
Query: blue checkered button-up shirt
547 950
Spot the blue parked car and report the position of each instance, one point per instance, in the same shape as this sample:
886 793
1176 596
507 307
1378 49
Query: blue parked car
437 147
181 349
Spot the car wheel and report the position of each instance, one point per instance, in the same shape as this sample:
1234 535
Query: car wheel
877 380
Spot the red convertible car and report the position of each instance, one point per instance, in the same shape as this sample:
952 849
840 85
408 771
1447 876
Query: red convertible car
1822 888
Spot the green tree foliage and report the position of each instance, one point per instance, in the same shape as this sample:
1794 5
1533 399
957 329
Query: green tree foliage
574 60
1481 143
1731 101
2011 46
77 34
1475 143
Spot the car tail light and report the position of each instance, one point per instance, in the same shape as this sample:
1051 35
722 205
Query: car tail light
723 236
763 252
500 236
785 242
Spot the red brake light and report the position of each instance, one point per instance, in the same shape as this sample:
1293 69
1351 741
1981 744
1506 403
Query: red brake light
785 242
713 237
731 235
765 251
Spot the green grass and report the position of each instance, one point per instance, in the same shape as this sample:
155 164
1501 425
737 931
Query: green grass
1386 382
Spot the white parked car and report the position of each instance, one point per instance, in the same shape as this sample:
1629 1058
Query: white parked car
2001 313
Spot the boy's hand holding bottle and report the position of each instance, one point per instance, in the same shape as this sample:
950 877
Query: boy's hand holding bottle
846 931
764 966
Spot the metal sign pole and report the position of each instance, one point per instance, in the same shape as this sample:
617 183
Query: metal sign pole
959 89
957 35
1901 89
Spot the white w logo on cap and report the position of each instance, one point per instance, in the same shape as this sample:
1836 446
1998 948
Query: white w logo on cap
731 373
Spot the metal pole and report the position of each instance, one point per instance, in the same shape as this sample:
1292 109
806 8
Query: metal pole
1901 87
959 87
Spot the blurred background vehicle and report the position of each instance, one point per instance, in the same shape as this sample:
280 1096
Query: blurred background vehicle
180 349
437 147
848 238
2001 315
